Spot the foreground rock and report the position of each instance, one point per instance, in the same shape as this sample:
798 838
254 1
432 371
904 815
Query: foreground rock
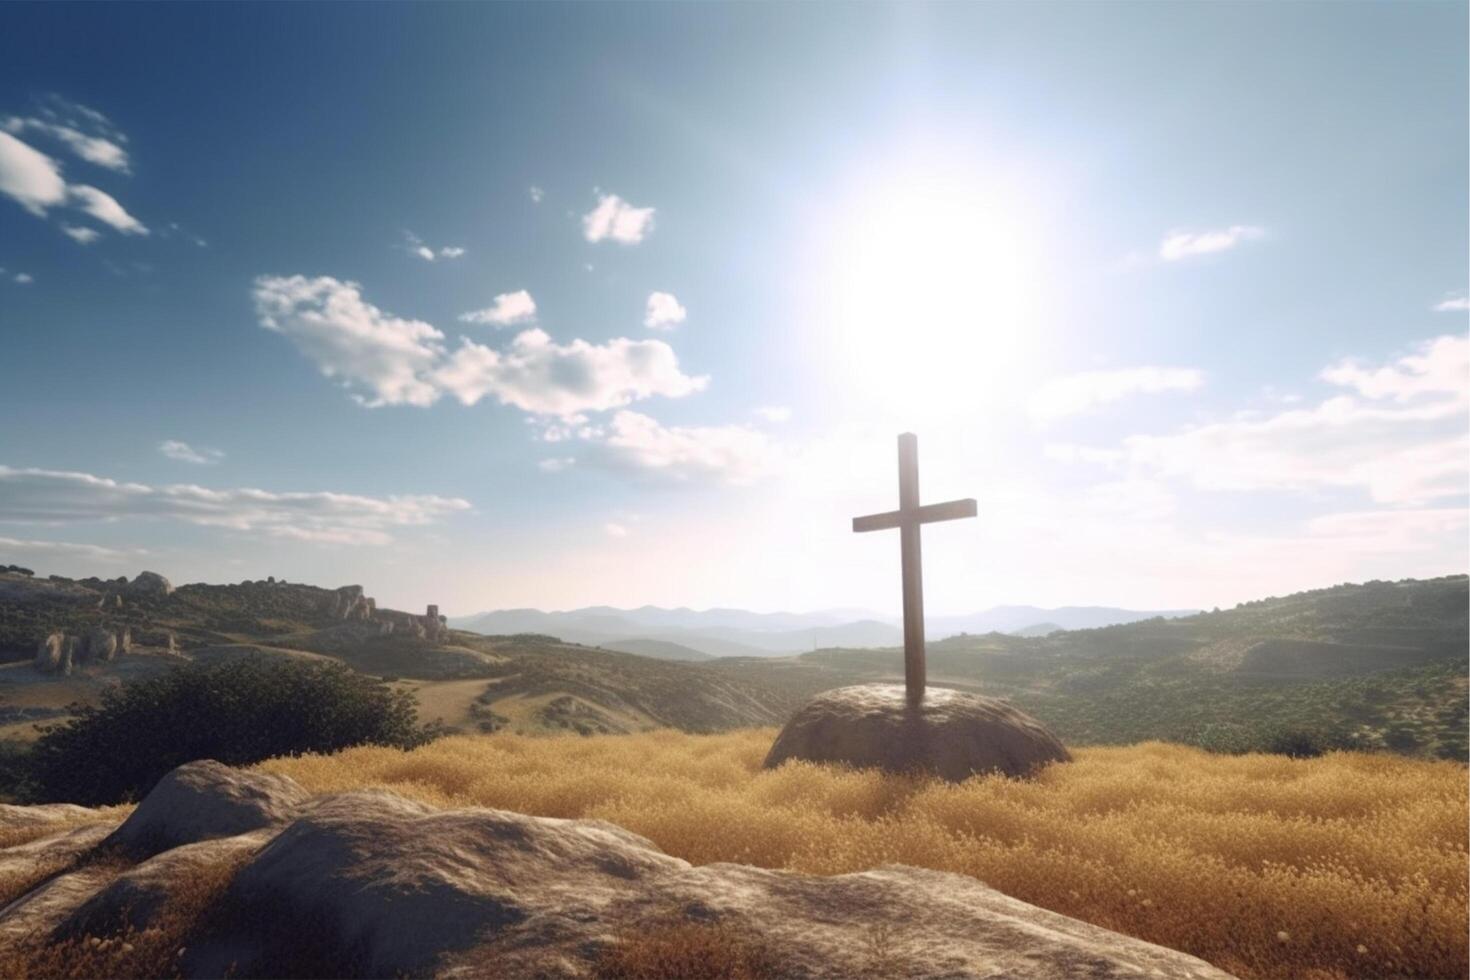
204 800
952 734
370 884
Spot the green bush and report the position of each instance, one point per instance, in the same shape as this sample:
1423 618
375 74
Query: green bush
238 713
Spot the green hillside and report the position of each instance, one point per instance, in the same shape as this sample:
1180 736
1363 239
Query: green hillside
1377 665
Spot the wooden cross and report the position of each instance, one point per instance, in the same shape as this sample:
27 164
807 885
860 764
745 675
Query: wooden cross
909 516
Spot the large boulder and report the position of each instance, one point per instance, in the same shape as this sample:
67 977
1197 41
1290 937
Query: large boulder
150 583
390 885
374 885
203 800
370 884
951 734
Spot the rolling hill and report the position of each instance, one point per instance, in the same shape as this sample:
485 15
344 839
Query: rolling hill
525 682
1376 665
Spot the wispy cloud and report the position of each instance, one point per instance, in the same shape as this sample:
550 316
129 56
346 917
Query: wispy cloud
615 218
663 312
35 182
185 453
733 454
556 464
1453 303
1187 244
506 309
417 246
773 413
542 377
39 496
1077 394
104 207
537 194
1399 436
397 361
99 150
85 236
615 530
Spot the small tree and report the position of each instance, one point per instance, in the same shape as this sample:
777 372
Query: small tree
238 713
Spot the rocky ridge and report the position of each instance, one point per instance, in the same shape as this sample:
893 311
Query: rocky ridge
367 883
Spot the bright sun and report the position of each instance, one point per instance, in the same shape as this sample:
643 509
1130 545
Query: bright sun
928 294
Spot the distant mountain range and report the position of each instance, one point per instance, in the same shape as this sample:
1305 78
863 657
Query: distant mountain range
690 634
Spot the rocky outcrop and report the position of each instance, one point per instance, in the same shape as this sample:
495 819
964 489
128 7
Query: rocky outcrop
349 603
58 653
48 653
952 734
370 884
150 584
204 800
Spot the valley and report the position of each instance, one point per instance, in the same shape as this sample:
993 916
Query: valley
1376 666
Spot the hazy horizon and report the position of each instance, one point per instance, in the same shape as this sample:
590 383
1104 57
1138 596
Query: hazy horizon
499 306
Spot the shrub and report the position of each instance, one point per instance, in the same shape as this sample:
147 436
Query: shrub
238 712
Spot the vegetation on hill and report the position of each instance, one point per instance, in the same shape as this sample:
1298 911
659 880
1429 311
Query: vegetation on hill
237 712
1374 666
1349 865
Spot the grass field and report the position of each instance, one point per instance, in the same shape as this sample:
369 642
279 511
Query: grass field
1349 865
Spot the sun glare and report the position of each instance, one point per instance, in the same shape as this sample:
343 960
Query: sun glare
930 295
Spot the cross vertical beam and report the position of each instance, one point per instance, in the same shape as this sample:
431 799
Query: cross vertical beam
912 564
909 517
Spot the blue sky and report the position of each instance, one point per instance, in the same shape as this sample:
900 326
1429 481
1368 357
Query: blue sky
554 305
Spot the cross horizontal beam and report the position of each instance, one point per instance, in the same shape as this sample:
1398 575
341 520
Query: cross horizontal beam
951 510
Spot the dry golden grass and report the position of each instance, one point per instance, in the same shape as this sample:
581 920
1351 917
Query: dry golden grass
1349 865
688 951
132 954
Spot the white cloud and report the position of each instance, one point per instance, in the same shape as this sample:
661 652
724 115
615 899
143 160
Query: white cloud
615 218
615 530
556 464
1185 244
1437 368
663 312
34 180
104 208
85 236
401 361
773 413
1453 304
537 194
185 453
731 454
351 340
24 278
507 308
1080 393
540 376
1400 436
66 549
29 177
38 496
417 247
98 150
